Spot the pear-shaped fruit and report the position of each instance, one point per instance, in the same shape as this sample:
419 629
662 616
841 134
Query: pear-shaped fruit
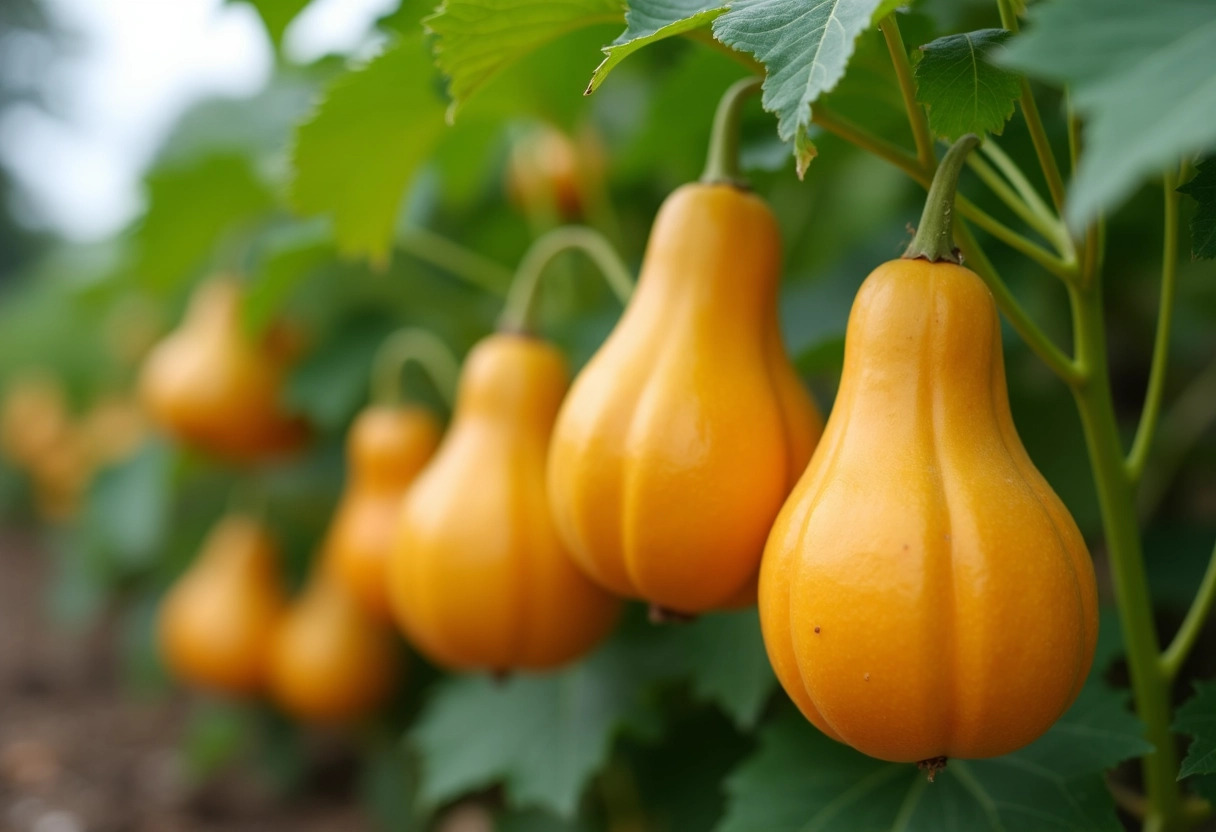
478 578
213 387
385 450
217 621
330 661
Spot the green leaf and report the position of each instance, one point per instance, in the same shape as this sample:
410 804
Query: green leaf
805 48
129 505
1202 188
724 656
1143 75
1197 718
276 15
801 781
541 736
961 89
479 38
647 21
288 257
357 153
190 208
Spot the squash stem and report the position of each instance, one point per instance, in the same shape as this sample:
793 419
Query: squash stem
419 346
1116 499
519 311
934 240
722 164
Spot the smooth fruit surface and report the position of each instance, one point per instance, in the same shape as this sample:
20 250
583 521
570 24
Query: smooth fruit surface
330 661
478 578
213 387
386 449
217 621
684 434
924 593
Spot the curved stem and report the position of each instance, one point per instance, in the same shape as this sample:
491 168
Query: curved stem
722 163
1034 123
907 88
422 347
1016 241
1040 216
1182 426
934 238
1042 346
1141 445
856 135
456 260
517 314
1192 624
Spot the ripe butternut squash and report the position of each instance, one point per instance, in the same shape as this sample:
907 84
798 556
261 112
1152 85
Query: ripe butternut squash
924 593
478 578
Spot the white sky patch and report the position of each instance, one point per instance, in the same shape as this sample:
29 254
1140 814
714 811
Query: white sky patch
334 27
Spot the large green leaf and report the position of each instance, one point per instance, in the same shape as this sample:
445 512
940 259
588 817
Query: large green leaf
962 91
479 38
129 505
1202 188
1197 718
723 655
801 781
191 207
355 156
805 47
648 21
541 736
1143 75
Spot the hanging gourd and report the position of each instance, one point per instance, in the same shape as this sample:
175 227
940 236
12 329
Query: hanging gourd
924 593
214 387
683 435
216 622
329 660
389 444
478 578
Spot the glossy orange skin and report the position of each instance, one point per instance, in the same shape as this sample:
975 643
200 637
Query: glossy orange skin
924 593
478 578
386 449
549 170
212 387
216 622
683 435
329 661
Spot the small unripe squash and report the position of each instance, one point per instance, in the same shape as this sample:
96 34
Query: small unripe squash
217 621
924 593
330 661
386 449
478 578
683 435
211 386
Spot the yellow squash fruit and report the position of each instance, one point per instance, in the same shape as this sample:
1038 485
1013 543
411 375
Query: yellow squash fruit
683 435
924 593
330 661
213 387
478 578
386 449
216 622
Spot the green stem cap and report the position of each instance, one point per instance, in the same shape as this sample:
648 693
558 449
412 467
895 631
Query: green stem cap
722 164
934 240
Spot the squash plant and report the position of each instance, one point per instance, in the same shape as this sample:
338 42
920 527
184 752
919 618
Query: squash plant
354 197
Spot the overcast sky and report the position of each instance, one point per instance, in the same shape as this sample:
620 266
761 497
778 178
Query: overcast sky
137 66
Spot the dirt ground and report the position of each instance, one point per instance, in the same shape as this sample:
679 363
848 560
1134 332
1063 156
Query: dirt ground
76 755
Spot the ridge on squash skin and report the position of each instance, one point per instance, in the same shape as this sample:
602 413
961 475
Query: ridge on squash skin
478 578
982 628
681 437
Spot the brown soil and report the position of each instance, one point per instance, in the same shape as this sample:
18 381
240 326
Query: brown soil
77 754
